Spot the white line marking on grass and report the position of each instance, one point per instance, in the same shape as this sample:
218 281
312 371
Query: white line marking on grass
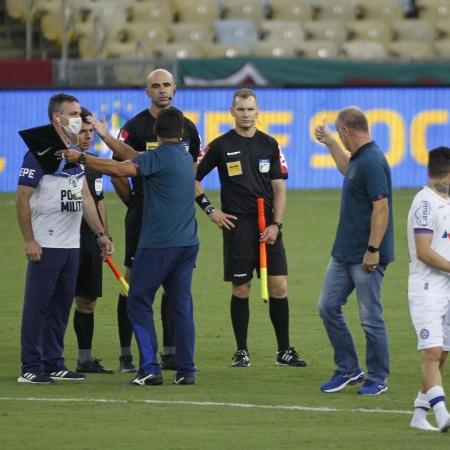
210 404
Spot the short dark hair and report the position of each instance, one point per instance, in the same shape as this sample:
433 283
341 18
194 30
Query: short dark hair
56 101
169 123
353 118
439 162
84 114
243 93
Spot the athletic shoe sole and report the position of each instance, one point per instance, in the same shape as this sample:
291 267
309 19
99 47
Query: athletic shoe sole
26 380
381 391
350 382
290 365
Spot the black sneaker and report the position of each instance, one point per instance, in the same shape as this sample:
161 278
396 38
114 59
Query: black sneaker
92 366
168 362
181 379
34 378
126 364
290 357
66 375
241 359
149 379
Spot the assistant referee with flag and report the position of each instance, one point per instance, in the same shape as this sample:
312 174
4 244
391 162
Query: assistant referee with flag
250 165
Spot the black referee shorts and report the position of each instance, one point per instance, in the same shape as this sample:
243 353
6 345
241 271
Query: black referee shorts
241 252
133 221
89 280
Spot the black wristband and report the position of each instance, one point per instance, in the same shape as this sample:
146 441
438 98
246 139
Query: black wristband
82 159
372 249
202 201
99 234
278 224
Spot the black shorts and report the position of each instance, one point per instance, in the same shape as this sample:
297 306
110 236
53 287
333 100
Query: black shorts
133 221
89 280
241 252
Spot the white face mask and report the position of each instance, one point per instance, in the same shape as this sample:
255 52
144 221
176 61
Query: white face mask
74 125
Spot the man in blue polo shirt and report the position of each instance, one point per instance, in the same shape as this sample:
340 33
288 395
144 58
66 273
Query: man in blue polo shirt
168 243
363 247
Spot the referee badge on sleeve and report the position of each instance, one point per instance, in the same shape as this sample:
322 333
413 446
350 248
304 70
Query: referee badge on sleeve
98 185
264 165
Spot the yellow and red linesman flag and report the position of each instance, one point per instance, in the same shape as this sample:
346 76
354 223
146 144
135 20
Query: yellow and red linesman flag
262 250
117 274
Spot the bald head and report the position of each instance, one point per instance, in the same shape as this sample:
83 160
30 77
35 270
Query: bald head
353 128
352 118
160 89
158 73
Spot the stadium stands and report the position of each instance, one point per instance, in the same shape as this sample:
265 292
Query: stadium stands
355 29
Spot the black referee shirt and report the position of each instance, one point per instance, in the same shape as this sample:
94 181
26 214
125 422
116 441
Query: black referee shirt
139 133
95 183
246 167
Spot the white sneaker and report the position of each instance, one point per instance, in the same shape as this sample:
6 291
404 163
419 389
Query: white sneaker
444 426
422 424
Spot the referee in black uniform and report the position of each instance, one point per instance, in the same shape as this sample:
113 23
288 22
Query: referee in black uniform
89 281
250 165
139 134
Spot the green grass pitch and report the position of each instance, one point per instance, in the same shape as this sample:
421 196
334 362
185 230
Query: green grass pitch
263 407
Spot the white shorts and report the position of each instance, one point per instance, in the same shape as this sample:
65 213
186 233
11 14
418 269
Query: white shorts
431 319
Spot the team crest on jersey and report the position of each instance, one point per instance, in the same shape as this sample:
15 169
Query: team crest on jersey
151 145
98 185
75 187
264 165
424 333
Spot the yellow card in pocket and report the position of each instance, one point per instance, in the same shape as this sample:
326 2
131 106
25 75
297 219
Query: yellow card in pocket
234 168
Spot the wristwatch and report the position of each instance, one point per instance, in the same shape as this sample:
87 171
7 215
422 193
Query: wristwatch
209 210
278 224
82 159
372 249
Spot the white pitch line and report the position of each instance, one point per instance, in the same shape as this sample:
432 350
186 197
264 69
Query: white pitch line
210 404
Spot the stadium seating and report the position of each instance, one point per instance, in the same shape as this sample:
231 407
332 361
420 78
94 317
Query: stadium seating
276 49
412 50
318 49
281 30
385 10
215 50
326 30
413 30
206 11
251 10
177 50
229 28
298 10
371 30
241 33
433 10
152 11
364 50
442 48
342 10
193 32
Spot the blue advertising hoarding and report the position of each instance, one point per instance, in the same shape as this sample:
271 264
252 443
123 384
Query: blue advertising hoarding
405 122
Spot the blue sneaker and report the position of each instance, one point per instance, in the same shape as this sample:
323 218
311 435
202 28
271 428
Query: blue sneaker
340 379
372 388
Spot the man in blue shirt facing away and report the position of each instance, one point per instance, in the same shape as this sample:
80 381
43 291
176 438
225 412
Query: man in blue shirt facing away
168 243
363 247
